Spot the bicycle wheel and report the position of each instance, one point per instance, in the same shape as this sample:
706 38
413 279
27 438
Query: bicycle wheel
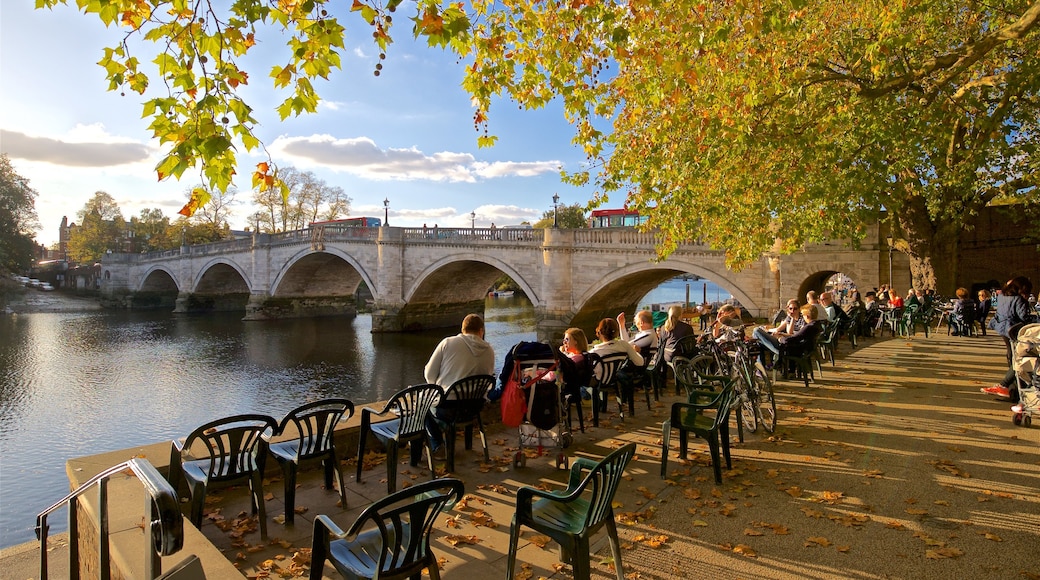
764 395
747 409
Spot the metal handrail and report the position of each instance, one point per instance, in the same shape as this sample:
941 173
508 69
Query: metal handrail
161 506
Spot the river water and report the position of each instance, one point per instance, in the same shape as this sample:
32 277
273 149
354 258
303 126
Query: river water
76 384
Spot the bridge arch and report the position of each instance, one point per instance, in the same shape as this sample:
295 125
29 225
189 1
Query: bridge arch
158 290
309 272
445 267
221 284
158 278
624 287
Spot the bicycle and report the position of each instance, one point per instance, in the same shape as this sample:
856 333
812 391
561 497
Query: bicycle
736 357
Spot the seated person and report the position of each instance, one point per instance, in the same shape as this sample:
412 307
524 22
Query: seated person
982 308
645 340
835 313
795 345
610 342
728 317
791 323
673 330
574 366
963 315
457 357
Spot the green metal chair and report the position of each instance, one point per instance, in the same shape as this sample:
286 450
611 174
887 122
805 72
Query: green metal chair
695 417
313 425
572 516
390 540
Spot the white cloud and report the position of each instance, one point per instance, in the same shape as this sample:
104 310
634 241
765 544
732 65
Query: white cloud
84 146
362 157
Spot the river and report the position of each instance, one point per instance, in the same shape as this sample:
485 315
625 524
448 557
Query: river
76 384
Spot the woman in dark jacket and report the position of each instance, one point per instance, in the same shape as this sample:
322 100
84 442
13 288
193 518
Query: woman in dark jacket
1012 309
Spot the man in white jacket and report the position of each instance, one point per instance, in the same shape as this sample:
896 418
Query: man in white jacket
457 357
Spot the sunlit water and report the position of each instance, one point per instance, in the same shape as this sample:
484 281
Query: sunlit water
76 384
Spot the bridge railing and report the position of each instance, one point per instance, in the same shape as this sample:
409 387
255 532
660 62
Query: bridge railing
438 234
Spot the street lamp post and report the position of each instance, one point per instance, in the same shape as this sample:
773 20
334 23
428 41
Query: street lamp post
386 211
889 240
472 220
556 209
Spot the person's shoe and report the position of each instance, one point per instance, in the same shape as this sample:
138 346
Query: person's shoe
1016 408
440 453
998 390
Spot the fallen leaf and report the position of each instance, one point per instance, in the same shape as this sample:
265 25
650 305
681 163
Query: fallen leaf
745 550
817 540
456 540
941 553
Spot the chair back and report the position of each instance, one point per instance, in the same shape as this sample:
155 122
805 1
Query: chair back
411 406
685 346
605 367
689 373
686 415
464 400
603 479
315 424
405 519
231 445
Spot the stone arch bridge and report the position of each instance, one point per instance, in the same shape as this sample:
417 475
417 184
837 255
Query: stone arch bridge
430 278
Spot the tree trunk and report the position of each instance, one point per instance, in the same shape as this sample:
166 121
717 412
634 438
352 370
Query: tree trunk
933 248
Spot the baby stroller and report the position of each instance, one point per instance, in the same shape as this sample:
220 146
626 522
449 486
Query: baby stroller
530 367
1026 362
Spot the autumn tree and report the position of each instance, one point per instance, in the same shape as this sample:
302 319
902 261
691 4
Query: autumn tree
219 210
309 199
152 231
100 227
568 216
742 124
18 221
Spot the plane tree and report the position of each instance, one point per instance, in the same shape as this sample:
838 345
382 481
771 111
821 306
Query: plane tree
754 125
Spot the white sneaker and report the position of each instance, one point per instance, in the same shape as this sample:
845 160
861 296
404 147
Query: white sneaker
1016 408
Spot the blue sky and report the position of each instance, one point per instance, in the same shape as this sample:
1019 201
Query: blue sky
406 135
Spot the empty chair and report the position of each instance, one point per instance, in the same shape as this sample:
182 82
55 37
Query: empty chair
391 537
408 426
222 451
827 341
313 425
570 517
696 417
461 404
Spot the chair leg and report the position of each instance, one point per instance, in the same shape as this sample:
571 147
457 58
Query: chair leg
289 477
666 433
595 406
449 441
339 480
483 439
319 543
724 440
360 453
391 466
615 548
514 539
256 486
646 391
197 491
713 448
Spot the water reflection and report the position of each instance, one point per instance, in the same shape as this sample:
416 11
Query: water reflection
79 384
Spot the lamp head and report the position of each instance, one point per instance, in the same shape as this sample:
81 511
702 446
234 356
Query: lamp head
556 198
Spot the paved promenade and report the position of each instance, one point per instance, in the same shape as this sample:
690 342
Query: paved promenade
892 465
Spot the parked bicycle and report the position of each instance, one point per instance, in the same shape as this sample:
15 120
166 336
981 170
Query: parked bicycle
732 355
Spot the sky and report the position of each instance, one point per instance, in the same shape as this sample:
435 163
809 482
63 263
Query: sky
406 136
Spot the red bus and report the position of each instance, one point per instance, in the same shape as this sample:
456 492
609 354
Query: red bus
615 218
354 222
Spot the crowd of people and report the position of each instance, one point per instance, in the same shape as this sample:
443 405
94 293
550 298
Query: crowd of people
792 333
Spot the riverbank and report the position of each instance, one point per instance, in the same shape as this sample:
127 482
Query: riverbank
28 300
